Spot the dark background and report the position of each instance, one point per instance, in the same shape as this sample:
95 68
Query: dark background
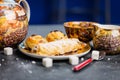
60 11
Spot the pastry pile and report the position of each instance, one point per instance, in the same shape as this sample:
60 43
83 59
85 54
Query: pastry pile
56 43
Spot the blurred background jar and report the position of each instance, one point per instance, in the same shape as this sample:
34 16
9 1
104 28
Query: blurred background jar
107 38
13 22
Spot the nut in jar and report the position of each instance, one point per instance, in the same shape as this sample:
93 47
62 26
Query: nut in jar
107 38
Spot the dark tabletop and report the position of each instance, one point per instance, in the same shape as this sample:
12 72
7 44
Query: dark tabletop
21 67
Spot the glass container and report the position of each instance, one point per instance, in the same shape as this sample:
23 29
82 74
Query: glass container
107 38
14 20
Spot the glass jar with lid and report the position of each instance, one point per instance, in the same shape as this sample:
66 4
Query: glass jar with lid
14 20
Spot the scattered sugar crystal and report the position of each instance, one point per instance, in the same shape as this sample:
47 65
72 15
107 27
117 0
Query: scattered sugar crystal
30 71
108 59
33 62
3 59
17 59
22 63
82 59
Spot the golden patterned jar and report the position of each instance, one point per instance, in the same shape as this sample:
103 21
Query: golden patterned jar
107 38
13 22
